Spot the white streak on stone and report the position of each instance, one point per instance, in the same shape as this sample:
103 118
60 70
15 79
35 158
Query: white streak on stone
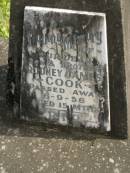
63 11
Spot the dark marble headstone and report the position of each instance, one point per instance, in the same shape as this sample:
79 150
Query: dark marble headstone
112 9
65 68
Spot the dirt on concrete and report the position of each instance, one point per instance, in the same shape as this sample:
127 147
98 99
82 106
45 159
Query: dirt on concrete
31 148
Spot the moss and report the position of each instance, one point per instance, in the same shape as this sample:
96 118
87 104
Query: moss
4 18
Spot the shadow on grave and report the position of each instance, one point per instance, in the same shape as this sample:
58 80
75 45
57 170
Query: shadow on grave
10 126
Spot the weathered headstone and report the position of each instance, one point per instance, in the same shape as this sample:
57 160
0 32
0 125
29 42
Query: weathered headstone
112 9
65 68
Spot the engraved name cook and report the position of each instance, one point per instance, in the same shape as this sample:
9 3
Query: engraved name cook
65 68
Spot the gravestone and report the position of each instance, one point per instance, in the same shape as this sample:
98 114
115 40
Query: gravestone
19 80
65 68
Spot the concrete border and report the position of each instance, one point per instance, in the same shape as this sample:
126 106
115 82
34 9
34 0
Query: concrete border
112 9
125 4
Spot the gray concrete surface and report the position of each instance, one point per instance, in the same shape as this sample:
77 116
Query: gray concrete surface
28 148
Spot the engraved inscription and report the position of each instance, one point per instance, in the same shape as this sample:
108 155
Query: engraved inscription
65 68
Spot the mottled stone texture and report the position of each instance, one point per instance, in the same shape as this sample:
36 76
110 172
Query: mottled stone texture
115 49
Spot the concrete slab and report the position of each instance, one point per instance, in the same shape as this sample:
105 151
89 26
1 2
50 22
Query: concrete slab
112 9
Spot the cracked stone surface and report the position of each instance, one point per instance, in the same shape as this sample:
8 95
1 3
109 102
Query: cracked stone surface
30 148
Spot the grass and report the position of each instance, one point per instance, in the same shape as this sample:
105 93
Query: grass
4 18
